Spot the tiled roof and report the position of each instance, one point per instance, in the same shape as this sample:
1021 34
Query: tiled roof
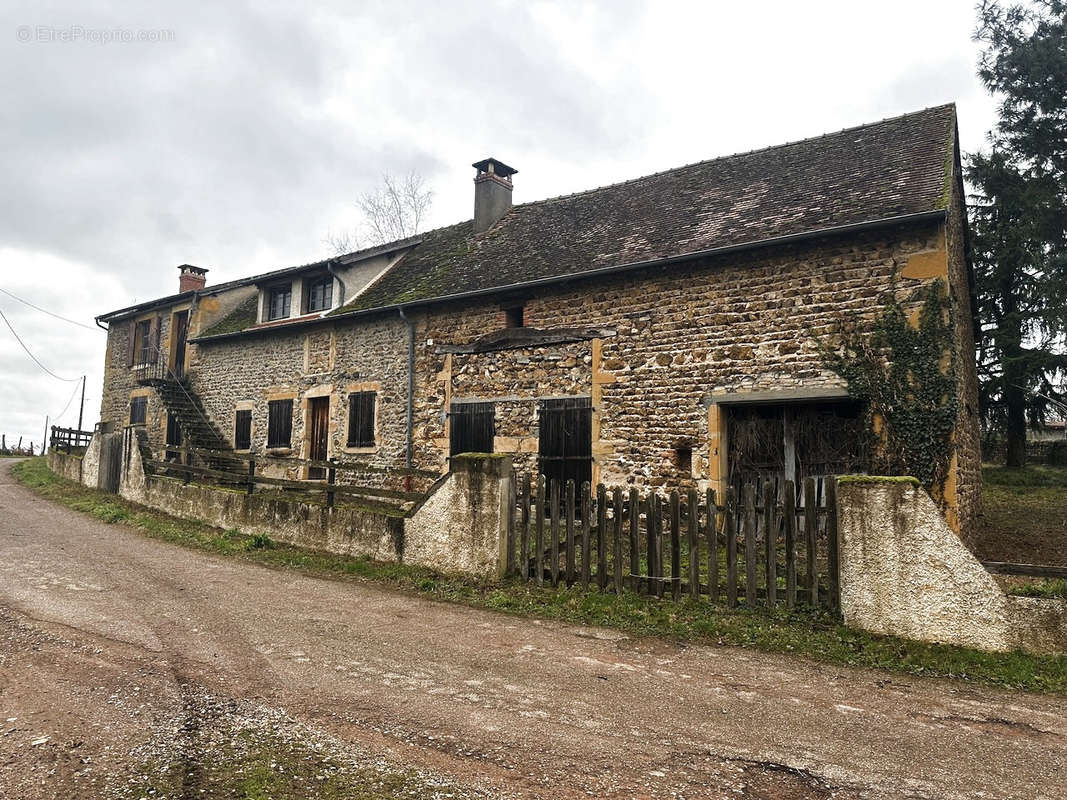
887 169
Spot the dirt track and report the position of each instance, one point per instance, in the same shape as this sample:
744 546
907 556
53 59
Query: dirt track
105 636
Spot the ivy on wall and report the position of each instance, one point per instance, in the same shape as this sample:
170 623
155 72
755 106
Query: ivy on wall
906 375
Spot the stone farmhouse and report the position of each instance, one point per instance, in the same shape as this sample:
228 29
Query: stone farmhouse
663 331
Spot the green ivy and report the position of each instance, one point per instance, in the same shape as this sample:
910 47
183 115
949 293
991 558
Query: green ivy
907 376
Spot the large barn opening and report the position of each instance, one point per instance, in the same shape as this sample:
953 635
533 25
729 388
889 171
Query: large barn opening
793 441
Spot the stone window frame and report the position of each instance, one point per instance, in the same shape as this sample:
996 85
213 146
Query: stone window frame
355 388
249 406
271 397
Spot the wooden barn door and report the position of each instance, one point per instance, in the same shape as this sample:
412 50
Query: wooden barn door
319 424
565 440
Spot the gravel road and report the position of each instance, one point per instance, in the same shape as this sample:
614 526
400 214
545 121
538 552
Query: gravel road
119 653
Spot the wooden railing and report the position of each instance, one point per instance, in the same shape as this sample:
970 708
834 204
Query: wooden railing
762 551
246 471
67 439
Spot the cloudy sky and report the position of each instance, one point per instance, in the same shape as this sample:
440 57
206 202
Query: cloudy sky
236 136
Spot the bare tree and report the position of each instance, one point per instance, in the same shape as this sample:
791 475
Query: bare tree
395 210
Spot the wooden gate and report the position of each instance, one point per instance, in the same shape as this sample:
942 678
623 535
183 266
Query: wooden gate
565 440
110 468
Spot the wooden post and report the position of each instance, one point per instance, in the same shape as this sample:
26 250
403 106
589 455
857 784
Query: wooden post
730 526
693 529
587 513
750 545
524 530
553 529
251 473
770 540
789 519
185 461
570 532
509 558
712 533
676 546
635 533
601 536
616 553
331 479
539 533
655 571
833 576
810 530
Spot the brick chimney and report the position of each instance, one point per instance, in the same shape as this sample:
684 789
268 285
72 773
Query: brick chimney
191 278
492 192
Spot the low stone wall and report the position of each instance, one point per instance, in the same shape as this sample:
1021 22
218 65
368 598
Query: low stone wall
905 572
460 527
65 465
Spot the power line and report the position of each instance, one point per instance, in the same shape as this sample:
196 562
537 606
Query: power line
49 313
31 355
59 416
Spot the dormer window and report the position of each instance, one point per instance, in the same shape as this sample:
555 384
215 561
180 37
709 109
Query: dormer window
281 302
320 294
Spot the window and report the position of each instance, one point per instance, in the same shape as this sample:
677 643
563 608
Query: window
279 423
472 428
142 342
281 300
683 458
320 294
242 431
138 410
173 431
361 419
514 317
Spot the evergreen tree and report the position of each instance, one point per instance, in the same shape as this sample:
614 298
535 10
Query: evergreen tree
1019 216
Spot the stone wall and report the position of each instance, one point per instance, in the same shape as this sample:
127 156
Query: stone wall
462 525
906 573
459 527
65 466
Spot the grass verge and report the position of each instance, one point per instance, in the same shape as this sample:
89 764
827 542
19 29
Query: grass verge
801 632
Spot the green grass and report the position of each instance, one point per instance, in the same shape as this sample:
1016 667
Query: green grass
1024 515
1034 476
1048 587
803 632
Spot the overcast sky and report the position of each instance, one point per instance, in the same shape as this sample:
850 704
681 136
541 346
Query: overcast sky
240 134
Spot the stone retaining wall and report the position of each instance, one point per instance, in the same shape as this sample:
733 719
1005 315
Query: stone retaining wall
905 572
459 527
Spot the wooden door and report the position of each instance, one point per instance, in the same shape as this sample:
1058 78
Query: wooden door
565 440
319 424
181 336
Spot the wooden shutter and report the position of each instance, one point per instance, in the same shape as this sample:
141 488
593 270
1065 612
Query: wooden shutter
279 423
242 439
153 341
361 419
132 342
472 428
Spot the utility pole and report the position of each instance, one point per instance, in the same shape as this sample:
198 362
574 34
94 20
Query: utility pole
81 412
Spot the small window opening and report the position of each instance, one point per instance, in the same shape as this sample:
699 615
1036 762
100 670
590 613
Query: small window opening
514 317
683 458
138 410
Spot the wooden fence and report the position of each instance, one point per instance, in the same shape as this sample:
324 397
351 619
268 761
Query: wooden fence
15 449
765 550
246 472
67 439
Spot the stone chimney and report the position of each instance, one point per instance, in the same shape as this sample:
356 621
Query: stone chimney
191 278
492 193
